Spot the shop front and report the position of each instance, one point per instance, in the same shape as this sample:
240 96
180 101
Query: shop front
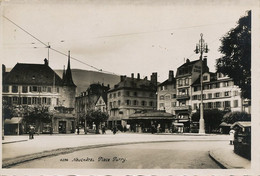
150 122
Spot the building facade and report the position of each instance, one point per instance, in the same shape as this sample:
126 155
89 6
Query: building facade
129 96
94 98
166 94
32 85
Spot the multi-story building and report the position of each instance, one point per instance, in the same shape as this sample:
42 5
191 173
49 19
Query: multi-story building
95 97
219 92
31 85
129 96
166 94
187 74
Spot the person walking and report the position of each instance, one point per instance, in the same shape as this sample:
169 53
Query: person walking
103 130
114 130
31 132
231 136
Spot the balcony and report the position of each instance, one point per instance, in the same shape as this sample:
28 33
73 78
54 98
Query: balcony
183 97
179 108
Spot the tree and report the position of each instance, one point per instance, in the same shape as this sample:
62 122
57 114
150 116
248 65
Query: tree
212 118
236 59
97 117
37 115
232 117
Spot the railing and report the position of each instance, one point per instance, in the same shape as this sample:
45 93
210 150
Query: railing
184 96
187 107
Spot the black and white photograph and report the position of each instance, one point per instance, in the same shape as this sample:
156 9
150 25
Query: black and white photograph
126 87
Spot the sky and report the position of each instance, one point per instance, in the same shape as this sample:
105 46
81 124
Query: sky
120 37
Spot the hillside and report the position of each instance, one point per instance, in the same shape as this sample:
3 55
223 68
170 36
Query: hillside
83 78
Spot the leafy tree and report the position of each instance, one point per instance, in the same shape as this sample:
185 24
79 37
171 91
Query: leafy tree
236 59
212 118
97 117
37 115
232 117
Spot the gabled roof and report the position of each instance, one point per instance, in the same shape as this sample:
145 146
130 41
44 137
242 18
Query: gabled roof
104 97
32 74
213 78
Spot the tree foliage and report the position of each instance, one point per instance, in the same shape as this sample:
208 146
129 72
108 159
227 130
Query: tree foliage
232 117
97 117
37 115
236 59
212 118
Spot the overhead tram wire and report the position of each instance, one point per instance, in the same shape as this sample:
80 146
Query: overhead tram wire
48 46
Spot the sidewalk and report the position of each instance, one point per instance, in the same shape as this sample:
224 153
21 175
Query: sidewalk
228 159
18 149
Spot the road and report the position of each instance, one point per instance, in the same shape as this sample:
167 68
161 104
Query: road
161 155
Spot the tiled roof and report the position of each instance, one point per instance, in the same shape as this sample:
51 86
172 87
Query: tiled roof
134 83
167 82
32 74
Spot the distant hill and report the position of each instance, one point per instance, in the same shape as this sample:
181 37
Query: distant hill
83 78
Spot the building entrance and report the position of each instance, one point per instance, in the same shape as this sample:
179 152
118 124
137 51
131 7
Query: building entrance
62 126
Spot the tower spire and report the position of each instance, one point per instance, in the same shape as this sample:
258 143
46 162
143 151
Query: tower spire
68 81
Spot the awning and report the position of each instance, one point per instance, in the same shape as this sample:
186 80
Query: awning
14 120
178 124
183 120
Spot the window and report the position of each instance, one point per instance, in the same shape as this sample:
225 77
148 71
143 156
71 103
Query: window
33 88
209 105
24 100
44 88
227 104
210 96
186 81
58 90
14 89
24 89
44 100
204 96
119 102
205 78
161 97
48 101
135 102
173 104
161 105
57 101
127 93
114 103
218 104
217 95
235 103
15 100
29 99
217 85
34 100
195 106
173 95
39 101
49 89
135 94
226 94
194 97
128 102
235 93
150 103
114 95
110 104
119 94
5 88
167 97
143 103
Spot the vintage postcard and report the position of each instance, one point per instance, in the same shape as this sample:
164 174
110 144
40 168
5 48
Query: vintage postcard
138 87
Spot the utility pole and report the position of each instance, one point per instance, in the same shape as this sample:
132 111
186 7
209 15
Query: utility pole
200 48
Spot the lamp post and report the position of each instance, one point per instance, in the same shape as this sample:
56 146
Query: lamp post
200 48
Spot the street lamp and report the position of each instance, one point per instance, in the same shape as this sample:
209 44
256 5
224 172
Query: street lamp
200 48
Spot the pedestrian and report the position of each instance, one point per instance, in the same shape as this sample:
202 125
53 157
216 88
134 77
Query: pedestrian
103 130
78 130
31 132
114 130
231 136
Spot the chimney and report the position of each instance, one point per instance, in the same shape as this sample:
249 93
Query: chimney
171 76
46 62
187 60
3 68
154 78
145 78
108 86
132 75
138 76
121 78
